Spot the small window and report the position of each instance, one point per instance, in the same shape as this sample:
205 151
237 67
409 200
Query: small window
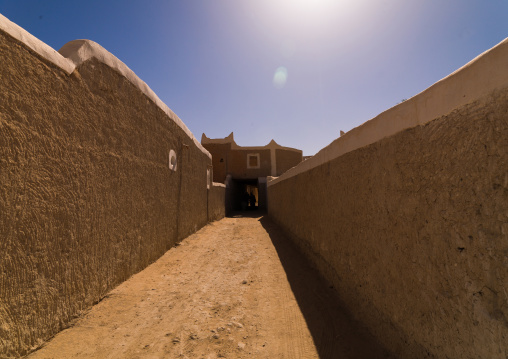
253 160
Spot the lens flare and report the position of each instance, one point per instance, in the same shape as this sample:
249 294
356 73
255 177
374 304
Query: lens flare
280 77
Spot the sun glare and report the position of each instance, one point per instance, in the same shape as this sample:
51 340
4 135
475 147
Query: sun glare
313 5
316 9
308 15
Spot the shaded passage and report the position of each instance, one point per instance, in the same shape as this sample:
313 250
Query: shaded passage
235 289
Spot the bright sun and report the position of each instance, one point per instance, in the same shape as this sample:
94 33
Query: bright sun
312 4
310 11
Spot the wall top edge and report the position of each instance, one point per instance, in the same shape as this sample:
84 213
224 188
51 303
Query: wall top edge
230 140
36 45
80 51
75 52
219 141
484 74
218 184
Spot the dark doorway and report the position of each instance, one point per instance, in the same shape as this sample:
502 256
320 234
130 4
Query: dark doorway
242 195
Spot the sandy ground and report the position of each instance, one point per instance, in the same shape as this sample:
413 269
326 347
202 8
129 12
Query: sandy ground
235 289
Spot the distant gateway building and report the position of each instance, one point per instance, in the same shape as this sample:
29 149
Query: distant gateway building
244 169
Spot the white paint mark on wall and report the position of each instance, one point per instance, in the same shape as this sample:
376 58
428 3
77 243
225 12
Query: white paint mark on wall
172 161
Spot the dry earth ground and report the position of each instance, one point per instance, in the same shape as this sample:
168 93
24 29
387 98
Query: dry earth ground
235 289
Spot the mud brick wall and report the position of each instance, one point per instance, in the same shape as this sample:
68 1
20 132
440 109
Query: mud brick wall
86 195
412 229
286 160
238 163
216 202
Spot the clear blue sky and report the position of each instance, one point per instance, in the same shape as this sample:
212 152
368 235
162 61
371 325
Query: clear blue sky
297 71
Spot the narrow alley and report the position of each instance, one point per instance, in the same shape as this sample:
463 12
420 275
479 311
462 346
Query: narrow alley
235 289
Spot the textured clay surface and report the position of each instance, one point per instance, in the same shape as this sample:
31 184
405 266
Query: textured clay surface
235 289
413 232
216 203
86 195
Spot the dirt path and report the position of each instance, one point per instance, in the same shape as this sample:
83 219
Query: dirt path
234 289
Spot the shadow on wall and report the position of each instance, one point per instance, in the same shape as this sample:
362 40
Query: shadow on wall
407 215
333 330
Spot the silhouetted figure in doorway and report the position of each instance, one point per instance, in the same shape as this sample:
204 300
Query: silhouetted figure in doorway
252 201
245 201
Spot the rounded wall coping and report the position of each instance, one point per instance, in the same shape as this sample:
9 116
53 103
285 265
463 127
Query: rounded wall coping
76 52
218 184
36 45
479 77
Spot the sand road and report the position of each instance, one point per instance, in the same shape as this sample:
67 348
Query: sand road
235 289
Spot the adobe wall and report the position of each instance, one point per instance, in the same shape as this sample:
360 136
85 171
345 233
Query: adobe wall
86 194
287 159
230 159
238 164
220 160
411 226
216 202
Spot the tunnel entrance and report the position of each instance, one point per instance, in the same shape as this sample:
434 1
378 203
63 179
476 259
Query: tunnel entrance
243 195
